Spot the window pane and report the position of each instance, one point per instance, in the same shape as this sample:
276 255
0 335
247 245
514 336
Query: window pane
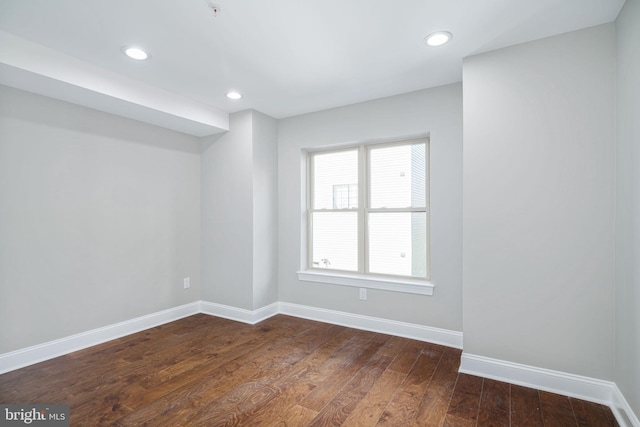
398 176
398 243
335 180
335 240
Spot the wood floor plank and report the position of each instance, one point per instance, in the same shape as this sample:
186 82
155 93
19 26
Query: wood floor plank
405 361
465 402
341 368
194 397
135 395
343 404
403 407
254 409
284 371
297 416
297 384
370 408
610 416
589 414
245 401
556 410
494 404
82 370
393 347
435 402
525 407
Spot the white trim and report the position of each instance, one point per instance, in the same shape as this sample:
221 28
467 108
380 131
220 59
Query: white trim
363 209
239 314
396 284
585 388
41 352
622 410
402 329
563 383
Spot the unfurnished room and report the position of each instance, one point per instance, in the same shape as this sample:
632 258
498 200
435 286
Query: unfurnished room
305 213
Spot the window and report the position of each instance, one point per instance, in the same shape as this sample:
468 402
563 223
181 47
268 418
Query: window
368 210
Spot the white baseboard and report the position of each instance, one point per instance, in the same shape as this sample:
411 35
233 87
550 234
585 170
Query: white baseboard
408 330
41 352
585 388
622 410
375 324
239 314
543 379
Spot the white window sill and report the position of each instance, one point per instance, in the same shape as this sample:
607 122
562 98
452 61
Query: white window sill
410 286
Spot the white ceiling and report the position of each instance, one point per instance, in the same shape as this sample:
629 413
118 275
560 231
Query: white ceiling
286 57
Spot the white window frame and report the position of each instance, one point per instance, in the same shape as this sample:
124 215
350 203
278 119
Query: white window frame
407 284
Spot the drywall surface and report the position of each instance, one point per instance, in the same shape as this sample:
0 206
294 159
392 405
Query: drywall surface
99 219
627 375
227 215
435 112
265 210
239 213
538 243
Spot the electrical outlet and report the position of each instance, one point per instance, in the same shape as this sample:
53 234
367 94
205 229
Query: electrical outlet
363 294
187 282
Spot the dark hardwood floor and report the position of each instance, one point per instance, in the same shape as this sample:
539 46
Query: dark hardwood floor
207 371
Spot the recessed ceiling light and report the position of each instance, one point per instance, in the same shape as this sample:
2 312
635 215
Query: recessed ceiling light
135 53
234 95
438 38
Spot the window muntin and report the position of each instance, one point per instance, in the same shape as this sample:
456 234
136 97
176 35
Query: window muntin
368 209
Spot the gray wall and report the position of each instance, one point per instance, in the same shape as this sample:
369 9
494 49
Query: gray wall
265 210
437 112
627 374
227 215
99 219
239 211
539 173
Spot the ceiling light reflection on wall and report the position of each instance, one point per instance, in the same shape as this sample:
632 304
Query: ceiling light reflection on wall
234 95
438 38
135 53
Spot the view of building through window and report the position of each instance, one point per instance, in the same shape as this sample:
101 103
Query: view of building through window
335 218
393 208
345 196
